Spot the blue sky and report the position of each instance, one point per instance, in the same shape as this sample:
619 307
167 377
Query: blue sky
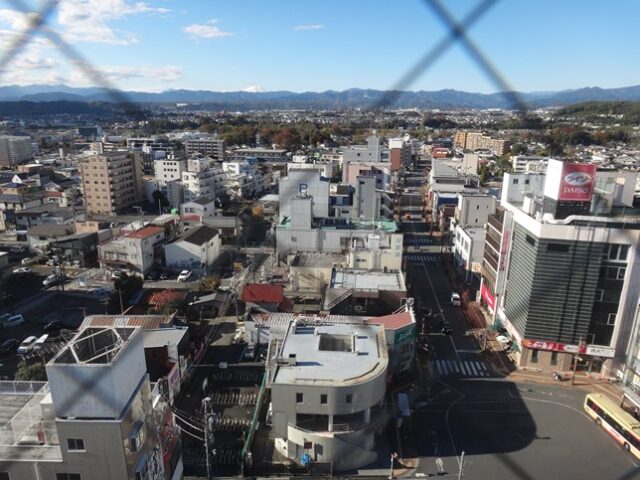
330 44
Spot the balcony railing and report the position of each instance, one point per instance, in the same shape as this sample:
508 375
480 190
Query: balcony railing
495 223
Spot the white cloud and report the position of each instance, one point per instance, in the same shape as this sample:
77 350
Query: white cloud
120 74
299 28
17 20
87 20
165 73
206 30
253 89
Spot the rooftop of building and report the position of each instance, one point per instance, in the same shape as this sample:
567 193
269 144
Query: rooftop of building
394 321
51 230
263 293
50 208
94 346
336 354
356 279
198 235
317 259
331 223
146 322
201 201
261 150
21 419
145 232
162 337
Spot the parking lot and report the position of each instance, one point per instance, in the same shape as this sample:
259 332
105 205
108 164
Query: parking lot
67 308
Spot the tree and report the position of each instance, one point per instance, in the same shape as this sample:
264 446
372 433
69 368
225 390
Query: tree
209 284
519 149
128 285
31 372
159 196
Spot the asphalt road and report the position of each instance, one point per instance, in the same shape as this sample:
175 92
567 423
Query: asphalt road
507 430
514 431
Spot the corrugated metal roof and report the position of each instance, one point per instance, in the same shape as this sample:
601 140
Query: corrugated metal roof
147 322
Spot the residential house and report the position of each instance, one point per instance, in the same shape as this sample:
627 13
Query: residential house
196 248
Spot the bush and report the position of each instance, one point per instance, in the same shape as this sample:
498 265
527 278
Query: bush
31 372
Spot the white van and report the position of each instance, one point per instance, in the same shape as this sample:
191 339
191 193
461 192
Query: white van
27 344
40 341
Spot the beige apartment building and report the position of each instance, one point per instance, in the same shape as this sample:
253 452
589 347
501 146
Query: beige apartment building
478 141
112 182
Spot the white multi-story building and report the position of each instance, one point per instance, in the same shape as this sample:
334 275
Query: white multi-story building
15 150
167 170
561 265
210 146
309 182
522 163
137 250
332 413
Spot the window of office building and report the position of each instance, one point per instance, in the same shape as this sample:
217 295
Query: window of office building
68 476
299 398
349 398
323 398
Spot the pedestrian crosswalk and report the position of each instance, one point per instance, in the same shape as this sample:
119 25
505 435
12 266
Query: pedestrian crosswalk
421 258
464 368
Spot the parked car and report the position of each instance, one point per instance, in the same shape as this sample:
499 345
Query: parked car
39 343
22 270
165 275
28 260
446 328
50 280
184 275
9 346
3 317
103 291
153 275
27 344
13 321
18 249
455 300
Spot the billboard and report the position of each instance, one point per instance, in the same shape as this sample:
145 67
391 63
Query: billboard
489 299
594 350
576 182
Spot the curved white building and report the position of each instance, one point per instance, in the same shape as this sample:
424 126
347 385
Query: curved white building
328 385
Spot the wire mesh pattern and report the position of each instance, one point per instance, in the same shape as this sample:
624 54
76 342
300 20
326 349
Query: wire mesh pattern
457 33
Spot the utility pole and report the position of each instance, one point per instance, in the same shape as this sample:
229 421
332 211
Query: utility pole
393 457
206 406
121 304
461 465
575 361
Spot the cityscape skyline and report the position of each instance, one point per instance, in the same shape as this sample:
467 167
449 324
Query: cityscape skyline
252 46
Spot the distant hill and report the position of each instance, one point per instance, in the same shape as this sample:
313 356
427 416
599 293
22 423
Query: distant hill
330 99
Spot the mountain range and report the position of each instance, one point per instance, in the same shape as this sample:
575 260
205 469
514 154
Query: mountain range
330 99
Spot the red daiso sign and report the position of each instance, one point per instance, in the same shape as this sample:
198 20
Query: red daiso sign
576 183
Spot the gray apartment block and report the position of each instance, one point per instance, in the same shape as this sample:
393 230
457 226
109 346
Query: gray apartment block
92 420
